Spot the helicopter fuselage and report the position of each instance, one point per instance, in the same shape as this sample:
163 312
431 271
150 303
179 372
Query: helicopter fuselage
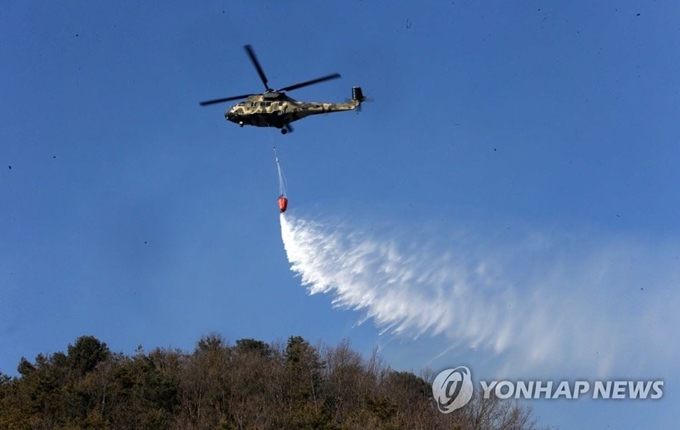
276 110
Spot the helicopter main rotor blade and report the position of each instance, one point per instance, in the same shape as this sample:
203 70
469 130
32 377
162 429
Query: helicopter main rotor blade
253 59
227 99
311 82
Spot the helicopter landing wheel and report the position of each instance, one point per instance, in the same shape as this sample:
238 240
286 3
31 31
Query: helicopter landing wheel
284 131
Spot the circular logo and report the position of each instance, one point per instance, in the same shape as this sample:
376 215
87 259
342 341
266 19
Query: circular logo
452 389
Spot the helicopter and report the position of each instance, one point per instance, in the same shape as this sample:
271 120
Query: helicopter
274 108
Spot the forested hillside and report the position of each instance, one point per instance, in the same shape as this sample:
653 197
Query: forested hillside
248 385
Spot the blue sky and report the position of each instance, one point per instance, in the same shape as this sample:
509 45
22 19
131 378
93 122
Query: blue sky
539 139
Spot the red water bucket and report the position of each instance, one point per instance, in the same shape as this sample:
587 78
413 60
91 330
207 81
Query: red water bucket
283 204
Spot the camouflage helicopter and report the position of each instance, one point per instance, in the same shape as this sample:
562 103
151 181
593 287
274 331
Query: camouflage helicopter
274 108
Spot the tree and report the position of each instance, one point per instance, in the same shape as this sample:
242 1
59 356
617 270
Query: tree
249 385
25 368
4 380
252 346
86 353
